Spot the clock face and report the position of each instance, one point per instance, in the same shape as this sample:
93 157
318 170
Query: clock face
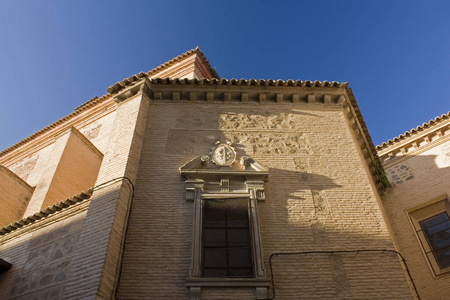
223 155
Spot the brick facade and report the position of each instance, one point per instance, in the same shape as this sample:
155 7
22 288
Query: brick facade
319 196
133 238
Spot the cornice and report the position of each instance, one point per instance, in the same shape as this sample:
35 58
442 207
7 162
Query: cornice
364 140
414 133
400 154
260 91
416 141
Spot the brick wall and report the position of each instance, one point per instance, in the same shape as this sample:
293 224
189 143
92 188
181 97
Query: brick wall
318 197
418 178
42 255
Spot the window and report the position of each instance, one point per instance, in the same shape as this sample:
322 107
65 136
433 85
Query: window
437 232
225 189
432 226
227 250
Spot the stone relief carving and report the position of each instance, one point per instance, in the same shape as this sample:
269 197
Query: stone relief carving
226 119
320 202
302 164
320 235
92 133
267 120
24 168
271 144
185 141
256 131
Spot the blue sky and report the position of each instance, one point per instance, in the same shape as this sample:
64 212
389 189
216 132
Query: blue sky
55 55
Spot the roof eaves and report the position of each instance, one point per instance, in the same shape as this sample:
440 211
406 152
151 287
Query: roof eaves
361 121
251 82
414 131
47 211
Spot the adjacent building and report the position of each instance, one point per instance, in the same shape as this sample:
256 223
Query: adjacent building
417 164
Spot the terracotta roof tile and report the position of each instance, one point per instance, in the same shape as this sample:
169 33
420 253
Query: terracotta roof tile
251 82
47 211
414 131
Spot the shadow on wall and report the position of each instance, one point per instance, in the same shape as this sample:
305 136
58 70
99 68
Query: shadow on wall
41 262
422 167
303 210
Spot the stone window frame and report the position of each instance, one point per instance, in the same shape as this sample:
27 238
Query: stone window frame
252 176
423 212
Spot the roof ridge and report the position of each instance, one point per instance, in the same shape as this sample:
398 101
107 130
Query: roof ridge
413 131
121 84
48 211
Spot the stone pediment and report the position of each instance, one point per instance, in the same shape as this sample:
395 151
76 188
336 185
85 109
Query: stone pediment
223 161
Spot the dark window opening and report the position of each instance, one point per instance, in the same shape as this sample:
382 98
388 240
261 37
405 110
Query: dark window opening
227 250
437 232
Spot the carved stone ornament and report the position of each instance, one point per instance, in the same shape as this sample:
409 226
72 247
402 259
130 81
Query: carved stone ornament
223 154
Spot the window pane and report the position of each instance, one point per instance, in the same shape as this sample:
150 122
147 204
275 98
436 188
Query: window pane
238 224
238 237
434 220
437 228
212 214
240 258
215 258
241 272
440 239
226 239
443 257
238 213
214 238
437 232
215 272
